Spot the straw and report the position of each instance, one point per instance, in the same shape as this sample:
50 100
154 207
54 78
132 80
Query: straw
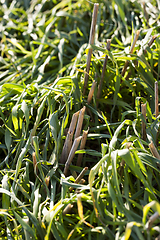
141 52
145 12
131 51
144 51
152 40
152 219
71 154
91 41
83 143
35 163
47 180
67 147
73 122
80 176
68 142
80 122
67 209
90 95
154 150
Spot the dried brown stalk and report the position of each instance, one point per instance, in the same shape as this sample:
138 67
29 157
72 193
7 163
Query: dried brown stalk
66 148
35 163
90 95
154 150
144 51
141 52
47 181
67 209
83 143
131 51
143 110
103 70
68 142
91 41
80 122
145 11
134 41
73 122
80 176
152 219
82 181
71 154
152 40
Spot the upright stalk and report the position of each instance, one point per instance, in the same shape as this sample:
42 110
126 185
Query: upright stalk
131 51
91 41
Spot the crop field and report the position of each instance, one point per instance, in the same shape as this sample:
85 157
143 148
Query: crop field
79 119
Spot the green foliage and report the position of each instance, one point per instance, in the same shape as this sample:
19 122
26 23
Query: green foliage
44 47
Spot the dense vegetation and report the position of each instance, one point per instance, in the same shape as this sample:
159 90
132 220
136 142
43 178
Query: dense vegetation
54 185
